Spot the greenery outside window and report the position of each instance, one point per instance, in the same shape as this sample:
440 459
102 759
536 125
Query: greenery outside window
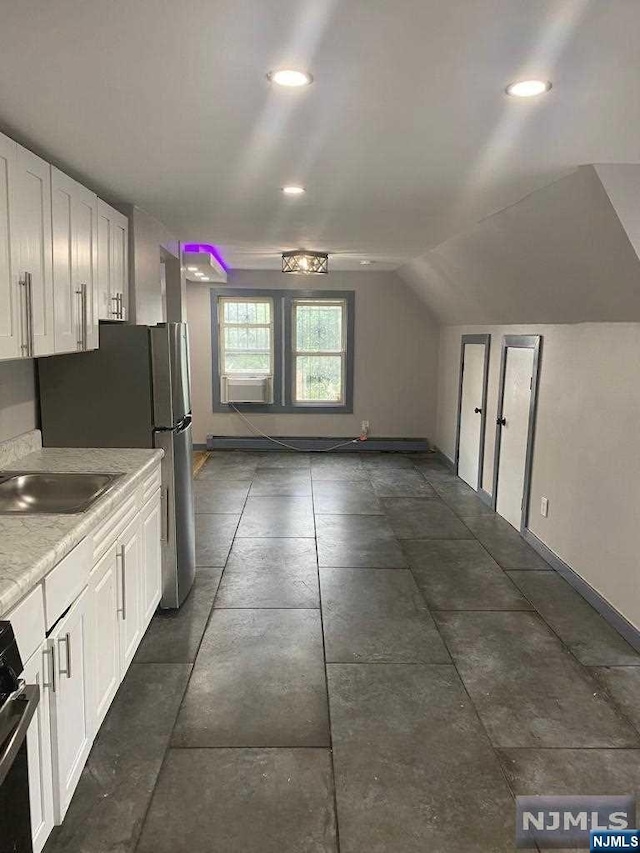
319 351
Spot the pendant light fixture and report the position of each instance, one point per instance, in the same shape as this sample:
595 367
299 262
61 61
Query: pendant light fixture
303 262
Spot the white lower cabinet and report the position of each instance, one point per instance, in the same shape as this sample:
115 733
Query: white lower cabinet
37 671
105 631
80 664
70 698
151 557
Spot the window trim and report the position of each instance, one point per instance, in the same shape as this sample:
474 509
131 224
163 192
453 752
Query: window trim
222 325
283 372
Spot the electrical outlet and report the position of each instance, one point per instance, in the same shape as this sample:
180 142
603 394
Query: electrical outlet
544 507
365 428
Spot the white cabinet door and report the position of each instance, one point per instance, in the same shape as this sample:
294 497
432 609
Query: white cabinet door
75 221
105 635
71 691
31 248
11 339
37 671
113 277
151 558
130 584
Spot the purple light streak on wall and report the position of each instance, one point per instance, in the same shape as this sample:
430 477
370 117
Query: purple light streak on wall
212 250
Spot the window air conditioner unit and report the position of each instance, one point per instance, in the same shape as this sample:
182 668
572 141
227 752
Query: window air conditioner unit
246 389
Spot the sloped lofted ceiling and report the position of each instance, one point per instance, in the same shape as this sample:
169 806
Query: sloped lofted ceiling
563 254
405 139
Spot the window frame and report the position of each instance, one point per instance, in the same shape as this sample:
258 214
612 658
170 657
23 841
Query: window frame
283 356
222 326
296 353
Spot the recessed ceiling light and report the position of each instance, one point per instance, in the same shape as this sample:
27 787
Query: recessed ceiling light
293 190
365 263
204 278
290 77
528 88
200 274
192 269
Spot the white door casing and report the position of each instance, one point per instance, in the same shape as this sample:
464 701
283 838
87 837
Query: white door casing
514 433
471 414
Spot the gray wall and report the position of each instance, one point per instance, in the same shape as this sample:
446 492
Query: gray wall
395 360
585 457
18 406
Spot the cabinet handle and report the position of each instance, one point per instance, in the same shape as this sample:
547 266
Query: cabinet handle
123 583
50 653
28 347
67 641
121 304
24 318
85 319
116 310
165 515
80 325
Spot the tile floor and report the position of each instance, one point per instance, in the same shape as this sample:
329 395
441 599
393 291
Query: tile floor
371 661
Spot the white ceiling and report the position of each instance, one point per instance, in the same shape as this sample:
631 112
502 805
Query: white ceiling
404 140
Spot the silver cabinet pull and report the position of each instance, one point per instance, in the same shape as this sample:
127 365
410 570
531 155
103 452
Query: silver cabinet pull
28 347
80 321
121 309
116 310
50 655
122 553
67 641
85 319
24 317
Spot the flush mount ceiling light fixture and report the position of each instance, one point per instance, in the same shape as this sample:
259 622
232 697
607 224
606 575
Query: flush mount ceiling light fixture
528 88
293 190
303 262
290 78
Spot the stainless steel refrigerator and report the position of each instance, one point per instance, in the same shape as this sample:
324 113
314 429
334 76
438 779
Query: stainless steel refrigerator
133 392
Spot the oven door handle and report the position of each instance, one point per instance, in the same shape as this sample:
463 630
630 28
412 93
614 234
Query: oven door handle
28 698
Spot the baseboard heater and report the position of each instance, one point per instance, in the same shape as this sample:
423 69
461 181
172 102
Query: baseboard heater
398 445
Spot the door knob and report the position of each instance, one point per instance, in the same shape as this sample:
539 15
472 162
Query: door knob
501 421
477 410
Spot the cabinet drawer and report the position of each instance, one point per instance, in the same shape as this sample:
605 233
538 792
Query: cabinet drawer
27 621
151 485
105 535
65 583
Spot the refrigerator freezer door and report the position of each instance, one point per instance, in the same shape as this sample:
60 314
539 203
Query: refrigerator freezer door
170 360
178 546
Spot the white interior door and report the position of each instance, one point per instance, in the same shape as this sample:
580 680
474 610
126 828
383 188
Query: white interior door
471 413
514 433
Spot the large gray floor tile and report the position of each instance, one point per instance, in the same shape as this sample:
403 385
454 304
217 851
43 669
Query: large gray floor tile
213 495
592 640
338 466
462 499
459 574
270 573
277 516
258 681
424 518
242 801
281 481
414 769
436 472
288 459
623 685
214 535
529 691
365 541
400 483
504 543
174 635
345 498
377 616
111 800
231 465
387 461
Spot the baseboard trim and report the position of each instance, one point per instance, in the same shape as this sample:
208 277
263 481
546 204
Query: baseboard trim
397 445
485 497
606 610
200 447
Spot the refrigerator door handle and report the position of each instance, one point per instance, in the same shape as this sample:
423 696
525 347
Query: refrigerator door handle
165 515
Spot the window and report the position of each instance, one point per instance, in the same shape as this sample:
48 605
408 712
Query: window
319 351
292 349
245 336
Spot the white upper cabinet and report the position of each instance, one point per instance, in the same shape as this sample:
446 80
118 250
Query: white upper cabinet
30 200
10 332
75 250
113 263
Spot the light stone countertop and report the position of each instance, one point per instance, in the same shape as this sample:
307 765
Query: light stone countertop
31 545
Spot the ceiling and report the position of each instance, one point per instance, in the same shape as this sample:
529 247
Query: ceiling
405 139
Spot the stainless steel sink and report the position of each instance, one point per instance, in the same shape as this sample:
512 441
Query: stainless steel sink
31 492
